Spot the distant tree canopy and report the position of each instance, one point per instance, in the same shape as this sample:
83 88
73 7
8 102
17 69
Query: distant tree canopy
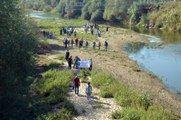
126 12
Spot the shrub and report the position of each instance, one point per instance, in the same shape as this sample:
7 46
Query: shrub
62 114
132 114
144 101
116 115
100 79
158 113
52 89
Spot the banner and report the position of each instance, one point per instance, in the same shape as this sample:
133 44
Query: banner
84 64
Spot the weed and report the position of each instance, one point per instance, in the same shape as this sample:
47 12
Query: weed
116 115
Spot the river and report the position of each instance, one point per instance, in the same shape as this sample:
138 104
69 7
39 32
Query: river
164 61
42 15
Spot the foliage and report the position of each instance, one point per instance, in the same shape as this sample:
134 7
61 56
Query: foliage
70 8
50 90
116 115
137 105
62 114
141 13
168 17
18 44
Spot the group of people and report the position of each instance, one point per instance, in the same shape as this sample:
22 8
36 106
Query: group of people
76 79
48 35
69 43
92 27
99 45
68 31
76 85
69 59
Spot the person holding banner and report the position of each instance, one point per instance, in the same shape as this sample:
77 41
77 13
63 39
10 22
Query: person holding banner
90 67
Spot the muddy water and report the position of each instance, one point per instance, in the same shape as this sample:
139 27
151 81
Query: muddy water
162 57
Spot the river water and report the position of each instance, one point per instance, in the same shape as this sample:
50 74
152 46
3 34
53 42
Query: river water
164 61
42 15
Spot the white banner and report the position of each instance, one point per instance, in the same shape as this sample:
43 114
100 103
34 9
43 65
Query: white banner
84 64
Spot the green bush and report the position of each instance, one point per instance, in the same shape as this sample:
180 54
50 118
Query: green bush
144 101
101 79
131 114
62 114
51 90
158 113
116 115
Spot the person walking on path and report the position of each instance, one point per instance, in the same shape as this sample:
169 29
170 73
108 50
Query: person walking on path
65 42
75 33
76 62
76 42
106 45
67 54
94 45
86 44
72 43
76 85
99 45
60 31
107 28
70 62
90 68
88 91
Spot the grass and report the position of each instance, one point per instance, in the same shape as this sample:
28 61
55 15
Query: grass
136 105
62 114
97 105
51 90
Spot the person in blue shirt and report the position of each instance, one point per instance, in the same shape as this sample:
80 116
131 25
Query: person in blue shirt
89 90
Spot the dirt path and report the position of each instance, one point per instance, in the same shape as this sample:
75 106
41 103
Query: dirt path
95 108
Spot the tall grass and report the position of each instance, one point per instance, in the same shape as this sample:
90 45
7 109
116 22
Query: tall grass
51 90
136 105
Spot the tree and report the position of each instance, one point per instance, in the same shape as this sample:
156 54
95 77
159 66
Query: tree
17 43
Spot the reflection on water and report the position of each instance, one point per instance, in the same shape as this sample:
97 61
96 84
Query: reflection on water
164 61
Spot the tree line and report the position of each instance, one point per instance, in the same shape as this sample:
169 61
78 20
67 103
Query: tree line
122 11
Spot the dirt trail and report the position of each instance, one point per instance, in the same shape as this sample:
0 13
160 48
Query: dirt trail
96 108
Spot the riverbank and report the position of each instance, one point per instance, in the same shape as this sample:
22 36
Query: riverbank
116 62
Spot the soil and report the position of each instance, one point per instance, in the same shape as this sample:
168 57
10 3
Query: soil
116 61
